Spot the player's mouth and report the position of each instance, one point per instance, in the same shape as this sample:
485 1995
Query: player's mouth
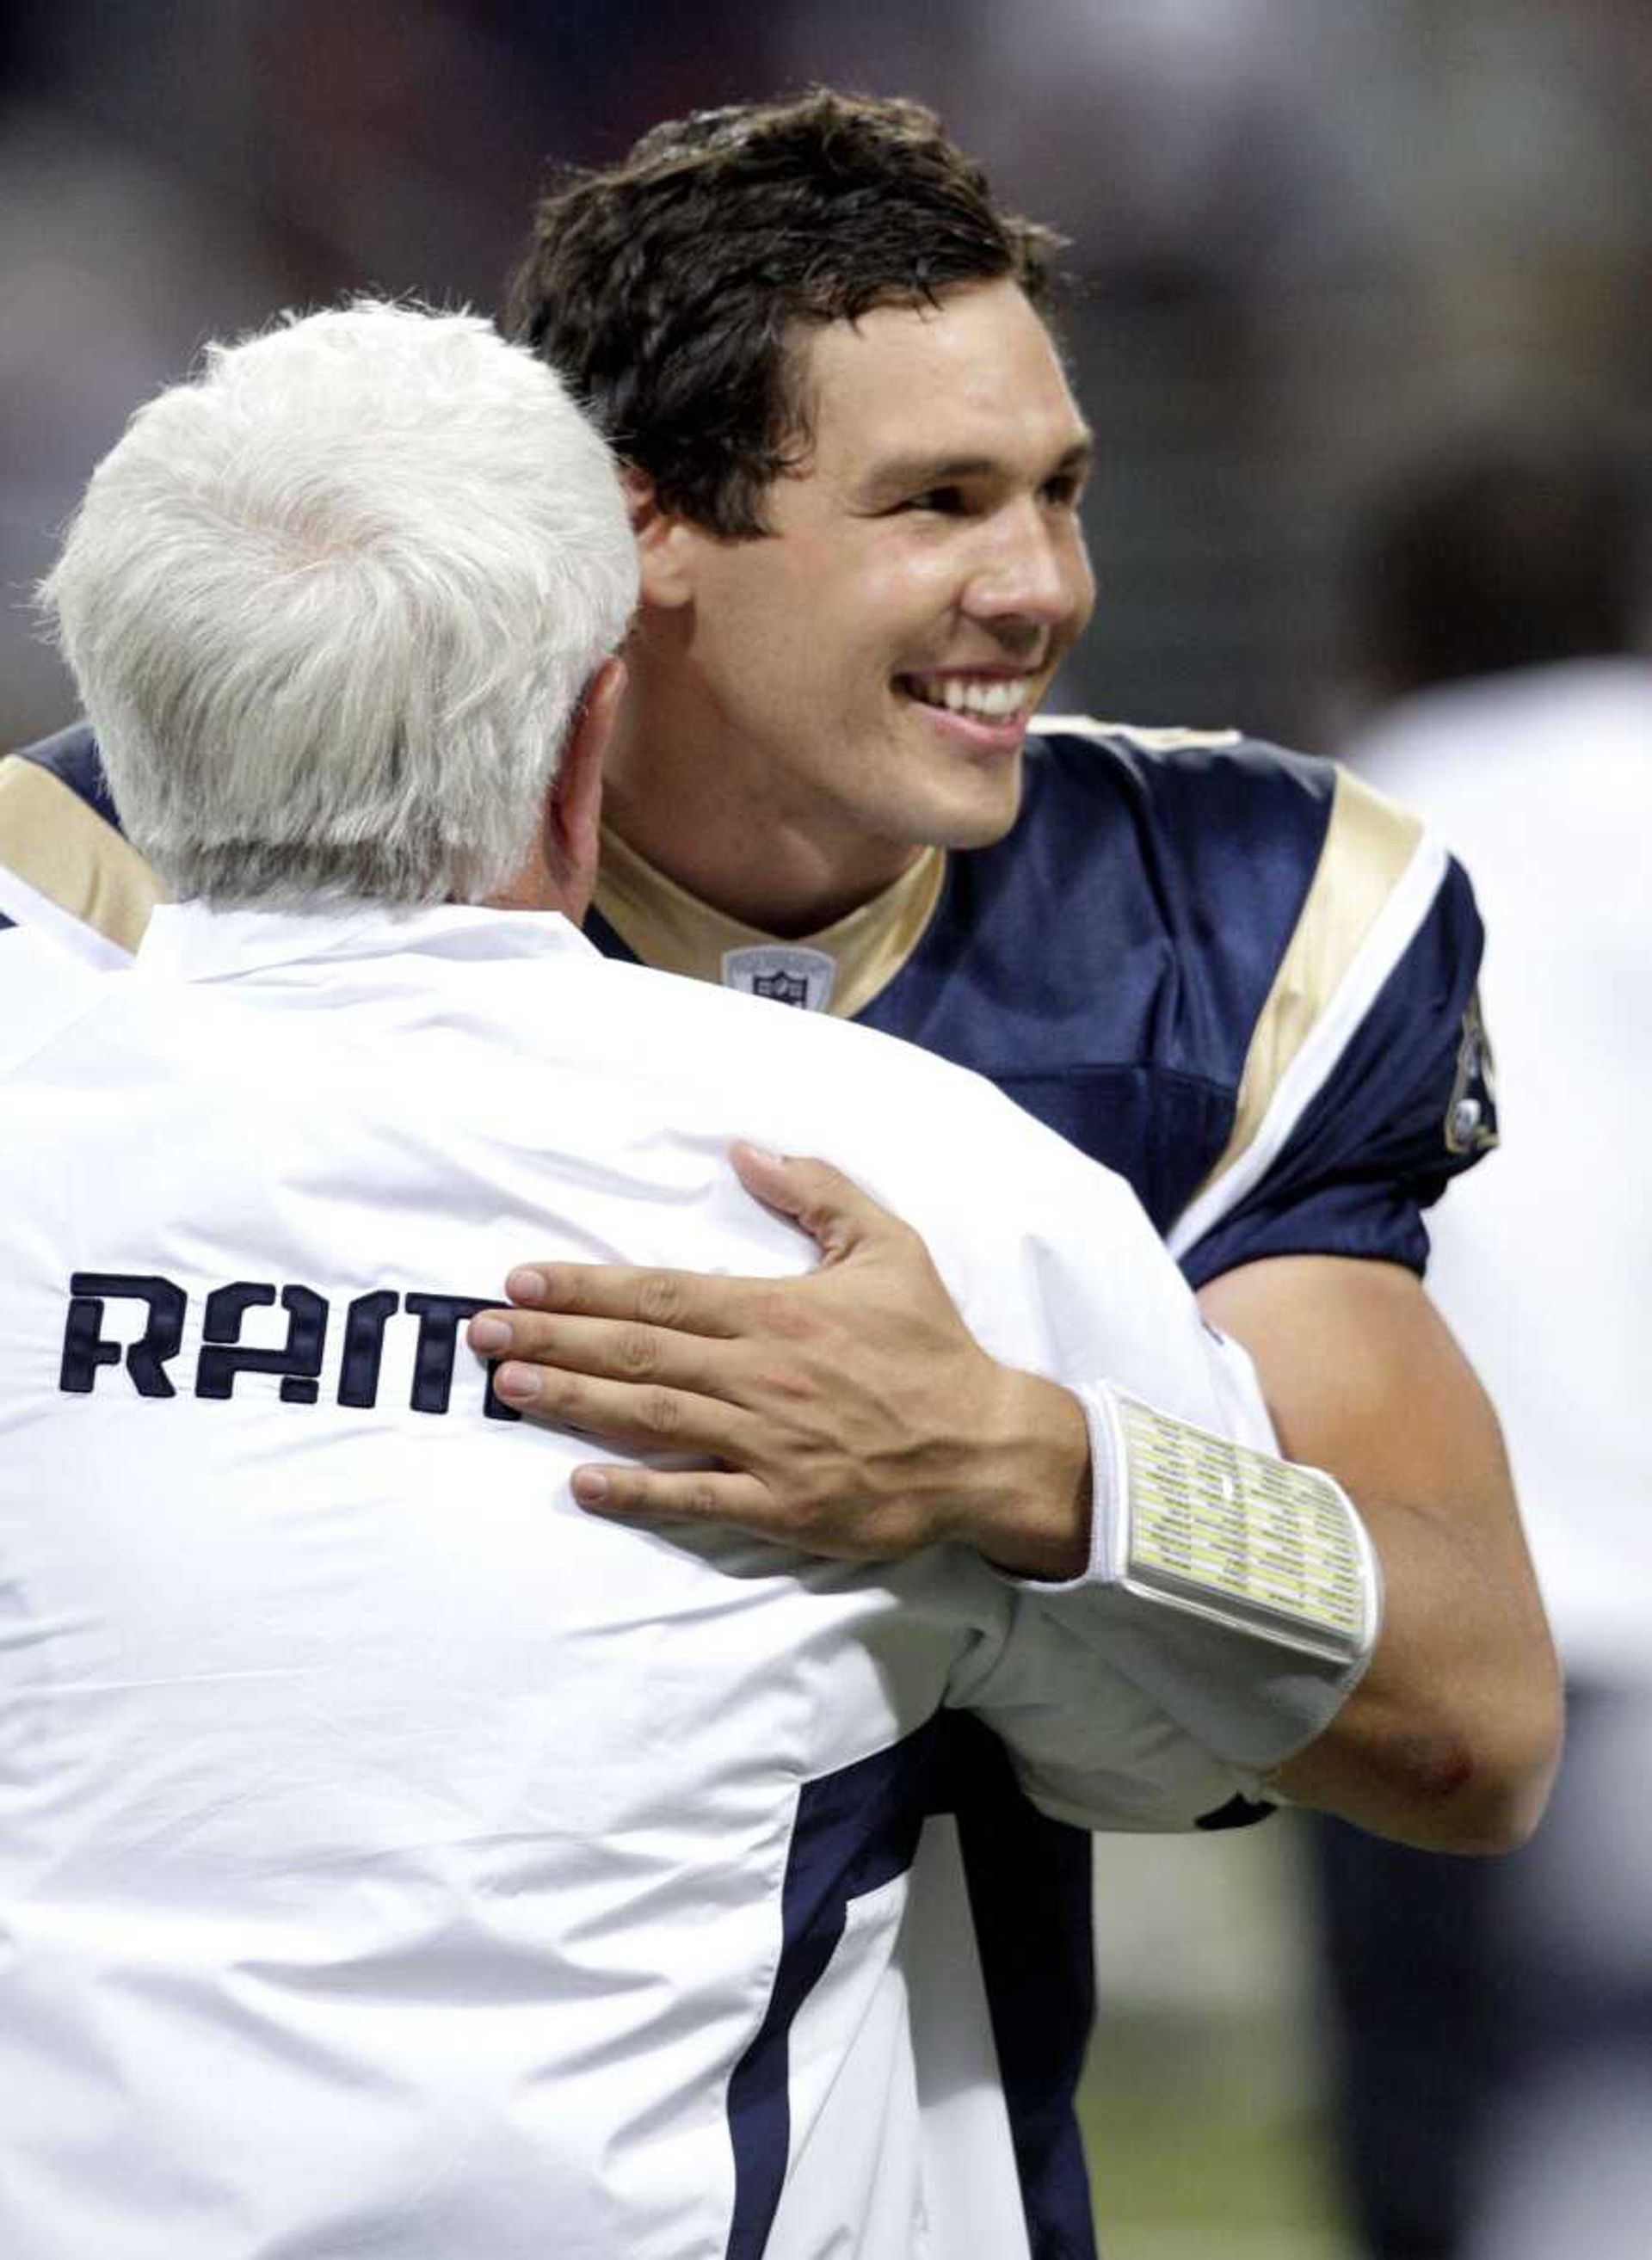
991 709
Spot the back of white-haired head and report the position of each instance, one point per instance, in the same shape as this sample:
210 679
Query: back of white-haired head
331 606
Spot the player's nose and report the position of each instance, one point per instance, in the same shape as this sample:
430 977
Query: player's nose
1033 567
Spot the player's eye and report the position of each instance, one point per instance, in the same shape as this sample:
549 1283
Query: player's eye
1065 490
945 502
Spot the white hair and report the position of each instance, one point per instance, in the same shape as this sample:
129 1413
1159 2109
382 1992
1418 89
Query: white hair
331 606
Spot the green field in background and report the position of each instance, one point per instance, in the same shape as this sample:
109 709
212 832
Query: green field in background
1185 2166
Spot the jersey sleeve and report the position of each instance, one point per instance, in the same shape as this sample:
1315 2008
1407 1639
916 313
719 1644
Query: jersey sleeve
1388 1099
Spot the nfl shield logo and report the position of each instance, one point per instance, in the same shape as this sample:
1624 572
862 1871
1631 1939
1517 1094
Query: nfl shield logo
787 971
785 988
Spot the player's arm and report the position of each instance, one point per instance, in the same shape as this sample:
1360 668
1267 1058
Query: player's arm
851 1412
1307 1245
1451 1739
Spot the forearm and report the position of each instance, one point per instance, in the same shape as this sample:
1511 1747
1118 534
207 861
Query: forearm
1443 1745
1451 1738
1239 1593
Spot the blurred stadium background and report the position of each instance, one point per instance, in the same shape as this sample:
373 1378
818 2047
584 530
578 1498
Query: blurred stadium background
1306 232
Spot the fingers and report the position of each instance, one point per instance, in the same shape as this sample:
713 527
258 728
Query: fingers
733 1502
646 1416
730 1500
686 1301
610 1349
831 1209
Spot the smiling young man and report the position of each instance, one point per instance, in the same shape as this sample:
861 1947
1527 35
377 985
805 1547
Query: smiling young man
1230 972
1234 974
849 694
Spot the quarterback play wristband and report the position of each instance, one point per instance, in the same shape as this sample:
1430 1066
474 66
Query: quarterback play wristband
1239 1590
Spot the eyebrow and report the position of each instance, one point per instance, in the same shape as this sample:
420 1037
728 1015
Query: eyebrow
916 474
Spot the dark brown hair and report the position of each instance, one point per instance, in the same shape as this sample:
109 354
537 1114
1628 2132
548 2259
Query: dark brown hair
668 289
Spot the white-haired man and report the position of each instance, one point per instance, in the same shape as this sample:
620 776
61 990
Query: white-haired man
391 1855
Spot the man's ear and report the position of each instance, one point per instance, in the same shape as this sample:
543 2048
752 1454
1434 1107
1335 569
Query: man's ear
666 545
573 807
561 872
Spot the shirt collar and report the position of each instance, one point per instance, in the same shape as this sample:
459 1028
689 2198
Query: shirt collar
668 927
192 942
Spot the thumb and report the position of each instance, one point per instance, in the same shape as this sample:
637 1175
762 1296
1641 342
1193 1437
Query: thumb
831 1209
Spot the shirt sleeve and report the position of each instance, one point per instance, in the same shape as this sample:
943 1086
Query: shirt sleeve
1086 1744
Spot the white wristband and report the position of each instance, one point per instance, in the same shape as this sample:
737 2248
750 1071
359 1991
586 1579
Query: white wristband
1240 1591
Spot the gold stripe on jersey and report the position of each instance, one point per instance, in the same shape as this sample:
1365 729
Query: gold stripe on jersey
672 929
1369 844
66 851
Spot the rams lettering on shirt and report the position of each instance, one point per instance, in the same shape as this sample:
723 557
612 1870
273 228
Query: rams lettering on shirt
223 1357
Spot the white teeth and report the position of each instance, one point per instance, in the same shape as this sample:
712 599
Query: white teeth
968 694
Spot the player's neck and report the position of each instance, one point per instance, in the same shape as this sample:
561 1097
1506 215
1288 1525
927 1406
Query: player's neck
707 818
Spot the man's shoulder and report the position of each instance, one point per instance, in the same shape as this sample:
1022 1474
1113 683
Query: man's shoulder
1168 956
71 757
1206 840
1230 841
64 861
1161 758
44 990
1147 867
1190 793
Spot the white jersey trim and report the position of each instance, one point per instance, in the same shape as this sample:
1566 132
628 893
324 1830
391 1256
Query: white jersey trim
1149 738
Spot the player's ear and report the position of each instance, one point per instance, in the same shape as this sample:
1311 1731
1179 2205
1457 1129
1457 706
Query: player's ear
665 544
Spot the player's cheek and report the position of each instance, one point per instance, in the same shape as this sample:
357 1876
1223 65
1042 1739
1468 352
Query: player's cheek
1081 578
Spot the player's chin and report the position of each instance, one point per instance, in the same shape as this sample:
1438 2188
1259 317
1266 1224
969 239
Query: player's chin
974 809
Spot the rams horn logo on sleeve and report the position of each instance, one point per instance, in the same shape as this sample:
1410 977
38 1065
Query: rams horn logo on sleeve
1470 1123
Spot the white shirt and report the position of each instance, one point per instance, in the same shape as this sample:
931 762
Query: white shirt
392 1857
1541 781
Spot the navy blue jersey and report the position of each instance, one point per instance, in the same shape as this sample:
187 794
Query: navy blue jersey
1245 981
1233 974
